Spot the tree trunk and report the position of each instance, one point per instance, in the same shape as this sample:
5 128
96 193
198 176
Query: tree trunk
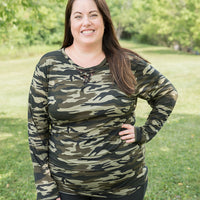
119 31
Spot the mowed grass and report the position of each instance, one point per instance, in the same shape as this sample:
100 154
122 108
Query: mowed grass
173 156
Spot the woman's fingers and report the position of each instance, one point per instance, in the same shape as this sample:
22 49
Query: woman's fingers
130 138
128 126
129 134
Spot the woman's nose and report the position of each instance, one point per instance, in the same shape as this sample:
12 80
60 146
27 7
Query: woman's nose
86 21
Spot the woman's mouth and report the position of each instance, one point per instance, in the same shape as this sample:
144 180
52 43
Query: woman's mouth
87 32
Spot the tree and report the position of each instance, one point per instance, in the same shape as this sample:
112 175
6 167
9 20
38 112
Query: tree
9 18
167 22
121 12
29 22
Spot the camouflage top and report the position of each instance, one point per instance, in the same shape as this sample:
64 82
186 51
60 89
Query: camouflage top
75 115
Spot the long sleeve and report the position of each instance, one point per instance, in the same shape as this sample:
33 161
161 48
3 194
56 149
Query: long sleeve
160 94
38 130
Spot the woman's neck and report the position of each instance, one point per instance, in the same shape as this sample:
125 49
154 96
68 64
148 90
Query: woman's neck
85 56
87 49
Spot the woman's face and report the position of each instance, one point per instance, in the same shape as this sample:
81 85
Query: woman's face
87 26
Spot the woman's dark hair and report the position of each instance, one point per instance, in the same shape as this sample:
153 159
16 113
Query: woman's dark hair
116 56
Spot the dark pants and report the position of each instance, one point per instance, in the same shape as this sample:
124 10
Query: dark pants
138 195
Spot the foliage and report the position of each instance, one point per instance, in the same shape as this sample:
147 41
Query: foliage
172 22
166 22
28 22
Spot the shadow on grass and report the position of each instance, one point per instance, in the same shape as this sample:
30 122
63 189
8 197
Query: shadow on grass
16 175
163 51
172 157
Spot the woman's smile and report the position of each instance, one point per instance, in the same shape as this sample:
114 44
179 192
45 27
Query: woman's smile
88 32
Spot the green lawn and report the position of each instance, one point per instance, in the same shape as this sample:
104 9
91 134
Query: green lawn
173 156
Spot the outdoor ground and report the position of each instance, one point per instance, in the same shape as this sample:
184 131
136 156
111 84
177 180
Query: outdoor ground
173 156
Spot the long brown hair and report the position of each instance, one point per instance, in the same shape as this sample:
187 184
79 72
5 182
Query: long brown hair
120 66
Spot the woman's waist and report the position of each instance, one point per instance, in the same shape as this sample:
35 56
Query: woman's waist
97 158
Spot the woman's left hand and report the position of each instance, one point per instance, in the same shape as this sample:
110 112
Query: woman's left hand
129 134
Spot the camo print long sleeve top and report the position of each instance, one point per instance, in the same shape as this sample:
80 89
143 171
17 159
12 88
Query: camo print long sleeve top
74 117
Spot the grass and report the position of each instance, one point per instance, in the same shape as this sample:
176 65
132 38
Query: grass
172 156
10 52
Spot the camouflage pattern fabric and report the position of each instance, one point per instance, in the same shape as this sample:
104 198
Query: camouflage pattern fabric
74 117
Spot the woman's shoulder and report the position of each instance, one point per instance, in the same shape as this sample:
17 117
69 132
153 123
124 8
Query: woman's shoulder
136 61
51 57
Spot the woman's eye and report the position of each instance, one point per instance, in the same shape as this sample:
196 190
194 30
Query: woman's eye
78 17
93 15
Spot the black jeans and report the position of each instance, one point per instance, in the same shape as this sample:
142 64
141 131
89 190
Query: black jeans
138 195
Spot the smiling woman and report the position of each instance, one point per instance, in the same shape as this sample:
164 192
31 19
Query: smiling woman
87 29
82 137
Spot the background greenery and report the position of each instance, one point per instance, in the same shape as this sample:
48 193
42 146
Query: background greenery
166 22
172 156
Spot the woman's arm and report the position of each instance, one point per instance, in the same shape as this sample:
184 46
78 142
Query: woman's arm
160 94
38 130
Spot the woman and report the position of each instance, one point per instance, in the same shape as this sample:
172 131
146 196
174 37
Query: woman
82 137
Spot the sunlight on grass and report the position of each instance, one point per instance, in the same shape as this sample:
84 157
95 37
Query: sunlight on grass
165 149
5 136
5 175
